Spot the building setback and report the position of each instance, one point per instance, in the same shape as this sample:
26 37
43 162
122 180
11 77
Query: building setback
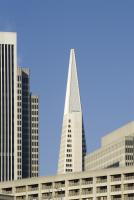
73 145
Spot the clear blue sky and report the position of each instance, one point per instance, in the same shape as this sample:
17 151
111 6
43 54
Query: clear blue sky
102 32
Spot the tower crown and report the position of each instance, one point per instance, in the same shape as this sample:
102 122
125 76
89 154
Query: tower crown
72 100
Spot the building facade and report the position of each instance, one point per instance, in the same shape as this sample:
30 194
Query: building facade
106 184
73 145
16 123
23 123
27 123
34 136
8 106
117 150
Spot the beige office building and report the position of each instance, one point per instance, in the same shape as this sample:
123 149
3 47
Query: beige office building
108 184
117 150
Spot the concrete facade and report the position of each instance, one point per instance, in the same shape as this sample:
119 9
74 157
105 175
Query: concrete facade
108 184
73 145
117 150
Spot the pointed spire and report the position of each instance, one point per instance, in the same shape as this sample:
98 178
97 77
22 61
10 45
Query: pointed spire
72 101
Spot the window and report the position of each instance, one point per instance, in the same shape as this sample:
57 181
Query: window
69 145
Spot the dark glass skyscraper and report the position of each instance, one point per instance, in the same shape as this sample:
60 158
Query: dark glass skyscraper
27 123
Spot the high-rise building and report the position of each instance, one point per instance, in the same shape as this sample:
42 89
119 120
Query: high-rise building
27 127
18 115
73 145
8 106
117 150
23 123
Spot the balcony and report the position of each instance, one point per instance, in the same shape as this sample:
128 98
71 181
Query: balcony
129 196
129 186
60 184
47 186
34 187
59 194
21 198
74 182
47 195
21 189
101 179
7 190
101 198
129 176
87 181
102 189
115 188
74 192
86 191
116 178
33 197
116 197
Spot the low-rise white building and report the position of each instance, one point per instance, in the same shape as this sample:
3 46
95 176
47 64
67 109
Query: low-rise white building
104 184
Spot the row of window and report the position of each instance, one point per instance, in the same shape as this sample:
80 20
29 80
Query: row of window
35 149
34 112
35 156
69 150
34 100
68 160
68 170
35 137
129 150
129 157
68 165
35 106
35 119
35 125
35 143
69 155
69 145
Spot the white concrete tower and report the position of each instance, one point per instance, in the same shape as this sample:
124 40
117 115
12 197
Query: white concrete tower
73 145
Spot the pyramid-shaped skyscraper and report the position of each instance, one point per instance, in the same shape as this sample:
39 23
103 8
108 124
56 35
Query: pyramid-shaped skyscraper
73 145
